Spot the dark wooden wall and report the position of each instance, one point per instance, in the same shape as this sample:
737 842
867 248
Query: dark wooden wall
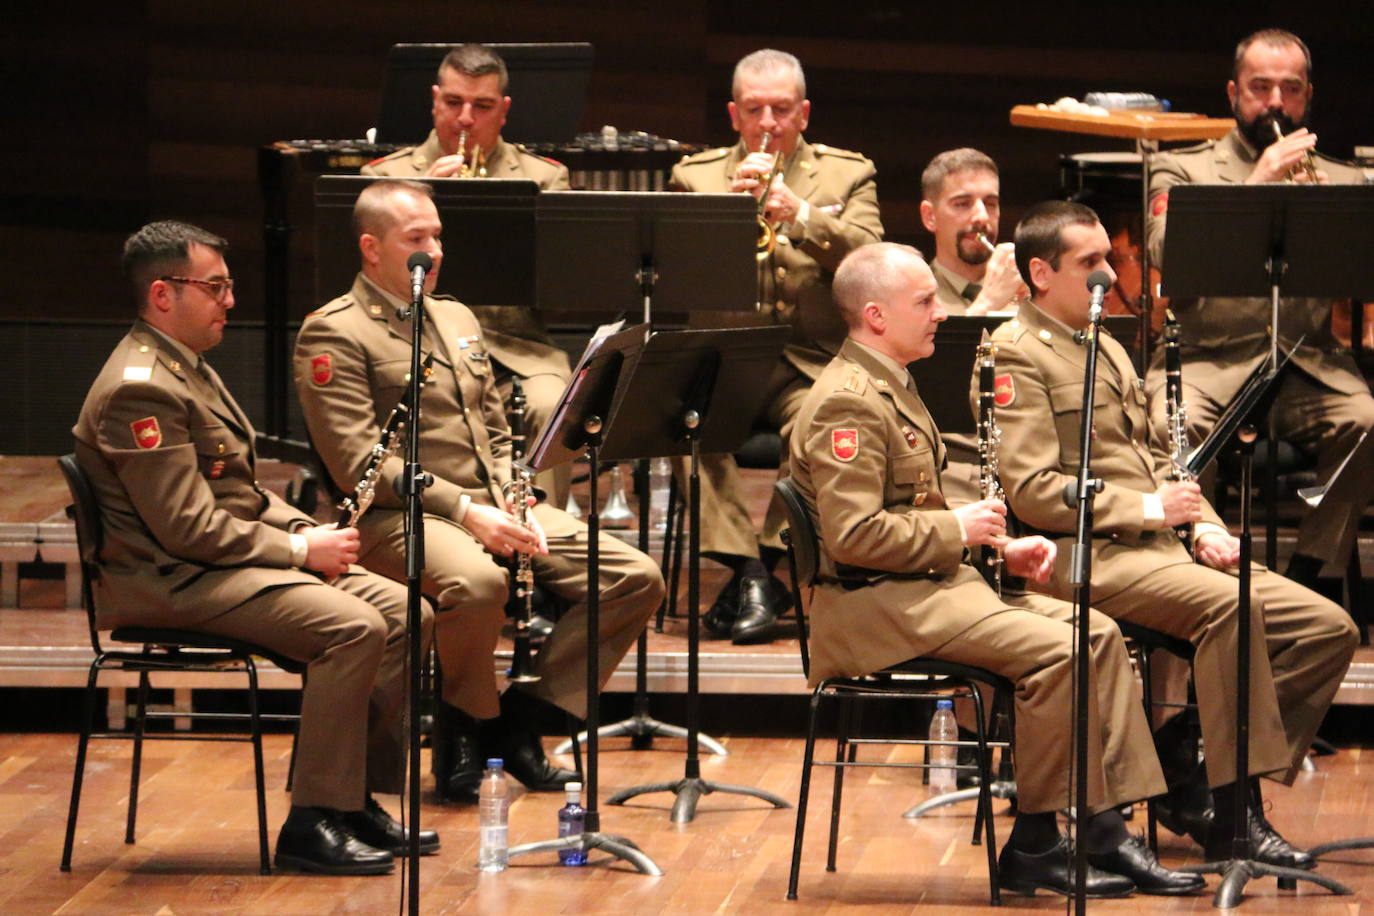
141 110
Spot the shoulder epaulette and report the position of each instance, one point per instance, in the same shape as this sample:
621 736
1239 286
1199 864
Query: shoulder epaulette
1008 330
709 155
400 153
139 363
520 148
855 380
823 149
1202 147
332 306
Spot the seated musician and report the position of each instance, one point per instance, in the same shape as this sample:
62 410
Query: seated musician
894 584
352 358
1324 405
1301 643
469 109
822 203
192 542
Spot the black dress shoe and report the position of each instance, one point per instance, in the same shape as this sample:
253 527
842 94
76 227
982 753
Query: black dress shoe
1185 815
720 618
317 840
760 601
1023 872
1133 859
457 760
514 739
375 827
1265 844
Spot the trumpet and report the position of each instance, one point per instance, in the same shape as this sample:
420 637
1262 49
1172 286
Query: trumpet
768 233
1307 165
474 166
985 242
518 492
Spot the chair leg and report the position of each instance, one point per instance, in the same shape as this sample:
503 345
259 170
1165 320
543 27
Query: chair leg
808 761
844 752
985 796
140 724
255 725
78 775
1147 690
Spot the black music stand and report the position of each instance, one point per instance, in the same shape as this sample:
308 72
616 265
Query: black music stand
1266 240
680 374
671 251
579 423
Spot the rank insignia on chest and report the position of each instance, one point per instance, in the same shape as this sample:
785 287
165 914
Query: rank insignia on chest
909 435
465 342
147 434
1003 390
216 469
321 369
844 443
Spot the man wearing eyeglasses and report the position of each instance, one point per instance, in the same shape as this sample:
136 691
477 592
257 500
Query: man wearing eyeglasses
469 106
192 541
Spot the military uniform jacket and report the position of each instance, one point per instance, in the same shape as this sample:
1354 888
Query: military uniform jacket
892 582
188 533
794 284
352 361
1039 379
1224 339
949 289
515 336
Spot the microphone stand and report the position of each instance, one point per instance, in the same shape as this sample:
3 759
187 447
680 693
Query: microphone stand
411 485
1080 495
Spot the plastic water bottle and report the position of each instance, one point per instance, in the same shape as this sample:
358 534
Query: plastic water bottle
492 802
943 757
572 819
660 474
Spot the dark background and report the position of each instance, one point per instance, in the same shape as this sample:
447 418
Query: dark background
143 110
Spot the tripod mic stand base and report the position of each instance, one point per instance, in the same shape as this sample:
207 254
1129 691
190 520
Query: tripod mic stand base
689 791
1236 873
999 789
618 846
1317 852
642 730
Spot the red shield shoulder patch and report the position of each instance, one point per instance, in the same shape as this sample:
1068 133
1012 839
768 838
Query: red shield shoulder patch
321 369
147 434
1159 205
844 443
1003 390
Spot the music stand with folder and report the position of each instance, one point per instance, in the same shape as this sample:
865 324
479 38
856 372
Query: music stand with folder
1265 240
650 250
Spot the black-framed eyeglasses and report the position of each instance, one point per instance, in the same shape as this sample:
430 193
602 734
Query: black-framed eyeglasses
216 288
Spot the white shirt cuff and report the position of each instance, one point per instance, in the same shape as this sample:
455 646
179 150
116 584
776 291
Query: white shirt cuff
1154 510
464 501
1202 528
963 533
300 550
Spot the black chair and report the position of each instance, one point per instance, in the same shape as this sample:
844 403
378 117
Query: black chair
162 650
918 678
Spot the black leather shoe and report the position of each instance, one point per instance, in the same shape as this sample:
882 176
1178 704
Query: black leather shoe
457 760
720 618
1183 813
1133 859
375 827
317 840
760 602
514 739
1023 872
1265 844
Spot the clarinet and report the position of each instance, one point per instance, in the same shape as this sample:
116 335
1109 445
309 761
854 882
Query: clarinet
352 506
989 439
1177 413
518 492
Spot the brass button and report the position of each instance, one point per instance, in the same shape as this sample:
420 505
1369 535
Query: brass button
782 272
219 448
825 244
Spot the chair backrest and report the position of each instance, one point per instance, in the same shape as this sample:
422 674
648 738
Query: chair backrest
803 553
85 512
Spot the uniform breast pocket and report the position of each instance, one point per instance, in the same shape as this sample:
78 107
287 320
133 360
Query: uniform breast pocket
912 477
478 362
219 454
1066 400
390 375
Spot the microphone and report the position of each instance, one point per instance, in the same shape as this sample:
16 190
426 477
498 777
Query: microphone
1098 284
420 264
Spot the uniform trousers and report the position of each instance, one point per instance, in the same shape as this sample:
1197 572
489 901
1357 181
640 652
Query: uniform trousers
352 634
470 587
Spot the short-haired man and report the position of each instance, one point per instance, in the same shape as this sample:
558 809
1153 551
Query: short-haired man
352 359
1324 404
192 542
894 584
961 205
470 104
824 203
1301 643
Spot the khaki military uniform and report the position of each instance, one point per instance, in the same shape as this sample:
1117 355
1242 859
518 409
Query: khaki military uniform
352 359
894 584
192 541
1301 643
794 288
516 338
951 290
1323 407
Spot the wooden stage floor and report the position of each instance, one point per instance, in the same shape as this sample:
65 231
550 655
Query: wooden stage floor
196 851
